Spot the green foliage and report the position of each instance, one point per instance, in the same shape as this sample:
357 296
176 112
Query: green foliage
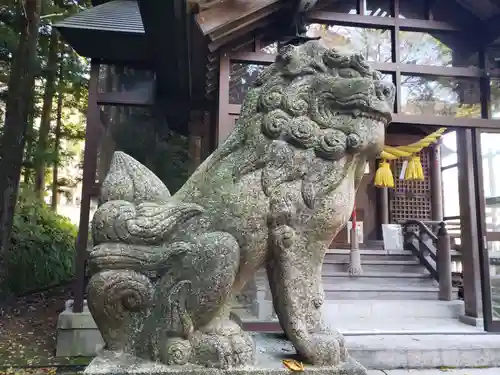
42 247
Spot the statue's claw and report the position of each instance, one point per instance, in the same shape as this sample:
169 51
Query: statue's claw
326 348
235 348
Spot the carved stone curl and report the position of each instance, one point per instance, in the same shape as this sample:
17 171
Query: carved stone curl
274 194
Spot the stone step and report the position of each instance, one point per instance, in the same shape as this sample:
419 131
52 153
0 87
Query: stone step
377 265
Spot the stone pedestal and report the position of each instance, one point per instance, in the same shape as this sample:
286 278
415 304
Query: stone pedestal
77 333
271 350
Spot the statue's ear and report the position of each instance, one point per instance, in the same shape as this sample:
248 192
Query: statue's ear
128 180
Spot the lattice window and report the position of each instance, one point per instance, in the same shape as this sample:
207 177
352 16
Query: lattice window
411 199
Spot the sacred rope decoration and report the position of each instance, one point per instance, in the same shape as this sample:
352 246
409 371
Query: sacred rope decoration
385 179
414 170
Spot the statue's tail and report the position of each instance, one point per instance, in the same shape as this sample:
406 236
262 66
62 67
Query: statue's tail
130 181
136 207
136 219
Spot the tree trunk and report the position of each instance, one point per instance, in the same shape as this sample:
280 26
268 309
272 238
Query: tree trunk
55 167
16 113
28 148
43 134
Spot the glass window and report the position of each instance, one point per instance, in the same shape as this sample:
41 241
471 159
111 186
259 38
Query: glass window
490 151
494 262
451 205
378 8
431 49
440 96
241 78
449 154
115 78
271 48
145 136
373 44
495 98
412 9
338 6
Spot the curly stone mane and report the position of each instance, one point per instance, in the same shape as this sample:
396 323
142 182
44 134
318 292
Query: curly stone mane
324 104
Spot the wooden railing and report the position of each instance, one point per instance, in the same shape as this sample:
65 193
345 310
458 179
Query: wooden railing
433 249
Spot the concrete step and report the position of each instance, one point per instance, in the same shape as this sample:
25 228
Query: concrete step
383 293
370 279
391 311
376 245
377 265
409 351
417 351
343 254
378 315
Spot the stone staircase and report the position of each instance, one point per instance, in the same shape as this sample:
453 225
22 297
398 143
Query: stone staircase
387 275
390 315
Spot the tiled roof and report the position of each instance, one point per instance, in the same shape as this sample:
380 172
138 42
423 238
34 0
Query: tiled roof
117 15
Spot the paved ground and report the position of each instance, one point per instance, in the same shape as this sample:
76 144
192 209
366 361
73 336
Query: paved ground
464 371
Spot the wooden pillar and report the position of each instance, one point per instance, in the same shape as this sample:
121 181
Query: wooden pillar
382 197
383 210
92 135
436 182
224 124
468 223
196 128
206 138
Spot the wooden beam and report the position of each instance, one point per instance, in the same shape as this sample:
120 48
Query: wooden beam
407 69
131 98
347 19
226 16
434 121
237 33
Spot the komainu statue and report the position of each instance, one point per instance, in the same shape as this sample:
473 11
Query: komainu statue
274 194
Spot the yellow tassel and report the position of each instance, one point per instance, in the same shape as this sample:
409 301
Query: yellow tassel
383 176
414 170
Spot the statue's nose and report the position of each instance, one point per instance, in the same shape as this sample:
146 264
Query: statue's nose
385 91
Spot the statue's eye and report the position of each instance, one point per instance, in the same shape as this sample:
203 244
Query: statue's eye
349 73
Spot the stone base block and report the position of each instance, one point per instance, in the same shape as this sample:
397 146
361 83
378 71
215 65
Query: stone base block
271 349
77 333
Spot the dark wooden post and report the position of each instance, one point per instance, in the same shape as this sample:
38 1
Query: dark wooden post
224 125
92 133
436 184
444 263
196 123
468 224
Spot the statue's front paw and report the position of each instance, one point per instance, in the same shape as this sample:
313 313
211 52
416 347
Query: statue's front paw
326 348
222 351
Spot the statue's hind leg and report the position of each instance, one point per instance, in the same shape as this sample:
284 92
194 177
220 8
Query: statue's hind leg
194 300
